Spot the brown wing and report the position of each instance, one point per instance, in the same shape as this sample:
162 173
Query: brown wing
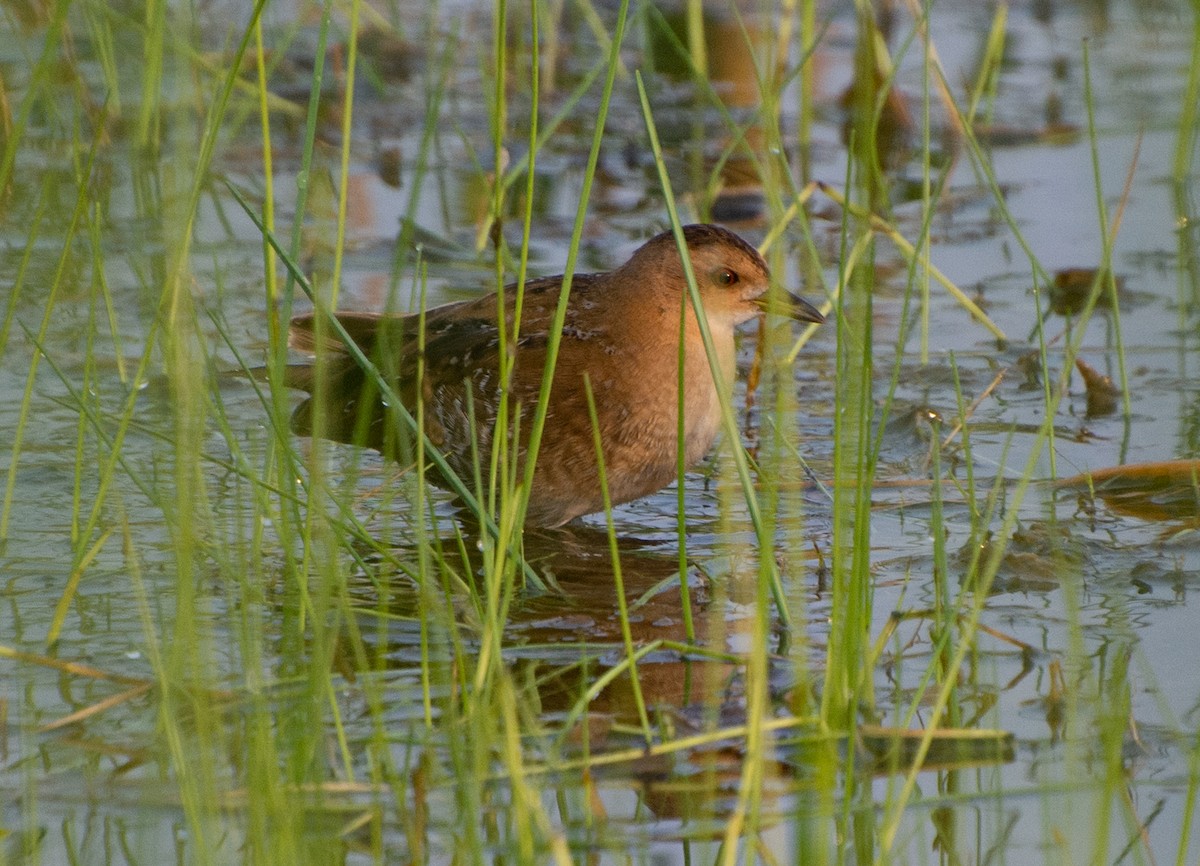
459 384
462 388
351 408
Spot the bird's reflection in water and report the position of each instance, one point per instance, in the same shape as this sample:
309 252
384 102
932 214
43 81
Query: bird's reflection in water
567 637
558 644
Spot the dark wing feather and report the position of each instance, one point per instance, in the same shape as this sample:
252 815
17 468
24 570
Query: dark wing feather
461 353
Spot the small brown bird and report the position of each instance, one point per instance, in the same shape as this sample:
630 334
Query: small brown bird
622 331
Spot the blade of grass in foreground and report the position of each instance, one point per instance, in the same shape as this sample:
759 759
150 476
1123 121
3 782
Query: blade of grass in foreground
847 684
769 585
729 419
82 201
560 312
615 558
1108 232
392 400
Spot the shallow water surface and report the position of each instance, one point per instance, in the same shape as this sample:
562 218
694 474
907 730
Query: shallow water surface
215 654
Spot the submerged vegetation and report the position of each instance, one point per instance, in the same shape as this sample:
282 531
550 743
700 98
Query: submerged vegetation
926 603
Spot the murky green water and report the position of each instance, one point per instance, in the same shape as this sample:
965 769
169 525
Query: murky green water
1091 613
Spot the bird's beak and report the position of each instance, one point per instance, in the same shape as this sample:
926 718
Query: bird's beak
784 303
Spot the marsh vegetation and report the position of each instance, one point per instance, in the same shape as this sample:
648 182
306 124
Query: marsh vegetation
934 604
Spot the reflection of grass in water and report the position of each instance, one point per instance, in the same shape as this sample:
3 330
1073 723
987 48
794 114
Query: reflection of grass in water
287 739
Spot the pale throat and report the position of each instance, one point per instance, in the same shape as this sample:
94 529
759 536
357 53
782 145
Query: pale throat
701 401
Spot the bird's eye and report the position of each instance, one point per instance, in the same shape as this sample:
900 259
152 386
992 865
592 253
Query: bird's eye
725 277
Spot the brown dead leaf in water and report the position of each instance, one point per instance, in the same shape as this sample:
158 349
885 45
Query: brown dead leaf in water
1034 559
1006 135
1169 490
1102 394
893 749
1074 287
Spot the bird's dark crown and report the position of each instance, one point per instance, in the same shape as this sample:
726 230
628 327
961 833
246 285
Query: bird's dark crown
701 235
704 234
